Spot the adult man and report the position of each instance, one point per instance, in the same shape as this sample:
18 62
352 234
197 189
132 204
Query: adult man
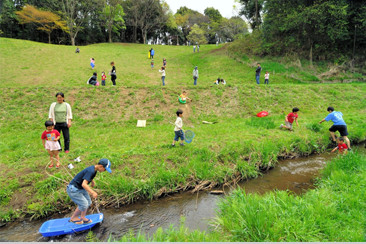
79 188
338 125
258 72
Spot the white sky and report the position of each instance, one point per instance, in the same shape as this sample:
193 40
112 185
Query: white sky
224 6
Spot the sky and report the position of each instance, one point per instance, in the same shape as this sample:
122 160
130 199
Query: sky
224 6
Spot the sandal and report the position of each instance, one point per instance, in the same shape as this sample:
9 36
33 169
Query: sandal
57 166
87 221
50 166
78 222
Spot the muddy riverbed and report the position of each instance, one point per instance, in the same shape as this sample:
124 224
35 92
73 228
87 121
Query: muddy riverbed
296 175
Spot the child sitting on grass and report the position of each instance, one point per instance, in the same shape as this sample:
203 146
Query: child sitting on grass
342 147
290 118
178 128
50 139
183 97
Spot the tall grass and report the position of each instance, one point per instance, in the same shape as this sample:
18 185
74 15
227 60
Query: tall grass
335 211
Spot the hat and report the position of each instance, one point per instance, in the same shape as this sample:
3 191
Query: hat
106 164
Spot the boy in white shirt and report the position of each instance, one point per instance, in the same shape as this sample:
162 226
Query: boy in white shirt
178 128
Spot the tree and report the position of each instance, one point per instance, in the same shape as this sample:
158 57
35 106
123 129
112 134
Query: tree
232 28
213 14
76 13
197 35
113 16
151 16
251 9
47 20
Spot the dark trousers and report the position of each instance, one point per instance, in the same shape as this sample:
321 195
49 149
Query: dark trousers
62 127
113 78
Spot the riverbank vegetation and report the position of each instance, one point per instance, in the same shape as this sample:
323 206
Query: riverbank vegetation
145 166
334 211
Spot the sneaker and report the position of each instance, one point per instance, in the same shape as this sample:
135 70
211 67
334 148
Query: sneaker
67 151
182 144
173 145
349 149
281 126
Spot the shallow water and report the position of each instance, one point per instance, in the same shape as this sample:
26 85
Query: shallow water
296 175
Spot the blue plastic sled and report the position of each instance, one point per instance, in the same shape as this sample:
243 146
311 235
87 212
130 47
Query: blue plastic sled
57 227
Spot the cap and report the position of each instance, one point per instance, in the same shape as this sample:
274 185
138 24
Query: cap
106 164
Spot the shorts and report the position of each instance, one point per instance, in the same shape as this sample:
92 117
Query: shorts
288 124
341 128
179 134
79 196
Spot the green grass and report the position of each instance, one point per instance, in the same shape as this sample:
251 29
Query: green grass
104 123
334 212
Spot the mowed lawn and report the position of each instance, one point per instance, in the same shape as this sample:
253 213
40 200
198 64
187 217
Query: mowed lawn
26 63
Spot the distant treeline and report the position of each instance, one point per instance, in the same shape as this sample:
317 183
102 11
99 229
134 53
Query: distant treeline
314 29
135 21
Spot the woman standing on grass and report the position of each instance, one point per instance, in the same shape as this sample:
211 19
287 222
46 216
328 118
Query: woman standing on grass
113 74
60 114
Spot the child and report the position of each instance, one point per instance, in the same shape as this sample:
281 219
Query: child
152 63
162 71
93 80
50 139
223 82
342 147
92 63
183 97
266 78
178 128
289 119
103 78
164 62
217 82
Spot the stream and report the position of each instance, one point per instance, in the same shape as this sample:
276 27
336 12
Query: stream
296 175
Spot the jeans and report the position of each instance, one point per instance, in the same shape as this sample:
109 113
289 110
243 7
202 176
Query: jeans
79 196
62 127
178 134
195 80
103 82
257 79
163 80
266 81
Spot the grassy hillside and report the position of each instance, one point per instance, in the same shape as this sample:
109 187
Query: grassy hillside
144 164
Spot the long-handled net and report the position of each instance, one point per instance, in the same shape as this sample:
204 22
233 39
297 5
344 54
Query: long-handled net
188 136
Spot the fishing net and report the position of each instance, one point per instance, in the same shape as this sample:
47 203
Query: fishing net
188 136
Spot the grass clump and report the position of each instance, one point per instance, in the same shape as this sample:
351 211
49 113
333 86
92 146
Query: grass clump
333 212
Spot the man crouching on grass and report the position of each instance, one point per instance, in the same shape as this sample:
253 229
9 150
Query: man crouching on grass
79 188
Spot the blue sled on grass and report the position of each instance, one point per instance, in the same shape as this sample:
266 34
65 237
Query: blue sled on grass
57 227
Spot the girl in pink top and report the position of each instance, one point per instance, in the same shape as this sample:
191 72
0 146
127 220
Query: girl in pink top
50 139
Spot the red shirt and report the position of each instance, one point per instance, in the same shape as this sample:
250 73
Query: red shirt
291 117
50 135
342 147
104 77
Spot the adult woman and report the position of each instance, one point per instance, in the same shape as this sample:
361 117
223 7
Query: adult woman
60 114
113 74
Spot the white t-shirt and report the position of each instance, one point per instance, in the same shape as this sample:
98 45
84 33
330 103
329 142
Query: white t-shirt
178 124
266 76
